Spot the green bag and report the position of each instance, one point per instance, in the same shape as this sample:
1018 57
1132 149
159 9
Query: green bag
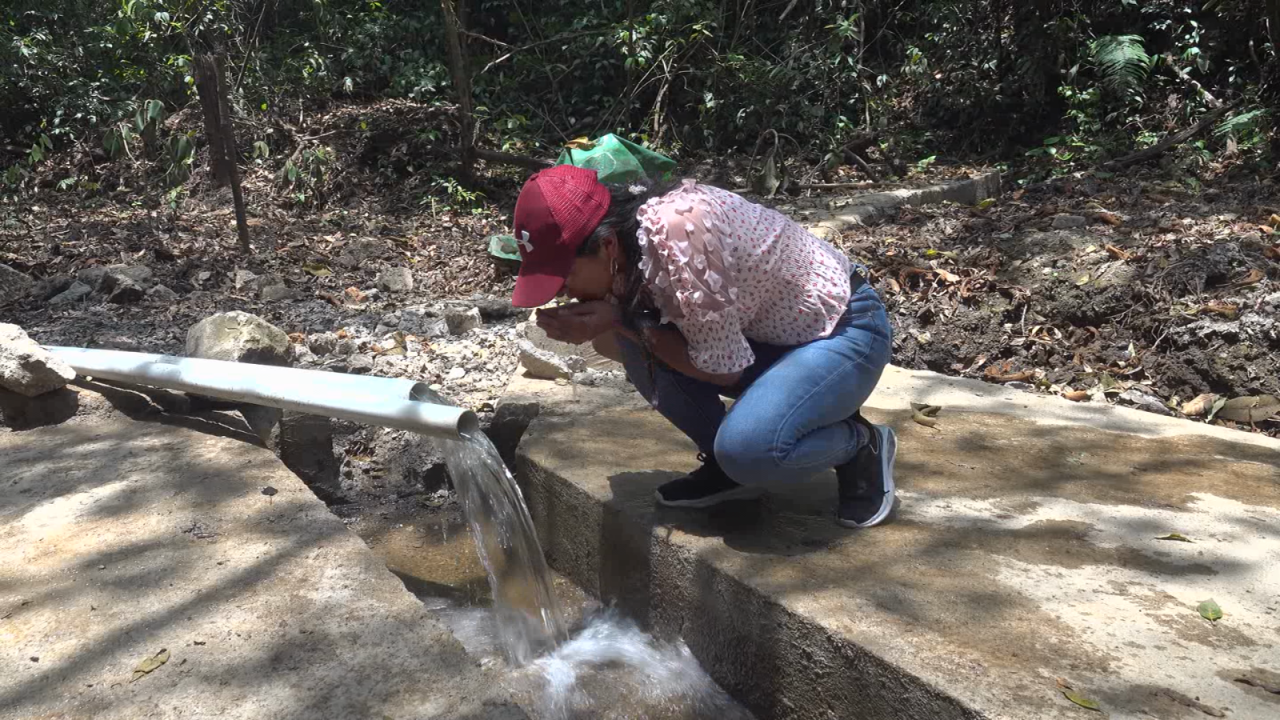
619 161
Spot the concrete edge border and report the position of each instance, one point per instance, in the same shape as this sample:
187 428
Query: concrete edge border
865 208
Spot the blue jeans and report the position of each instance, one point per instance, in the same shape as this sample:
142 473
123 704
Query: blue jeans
792 417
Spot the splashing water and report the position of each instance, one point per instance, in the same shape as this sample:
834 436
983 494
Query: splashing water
527 615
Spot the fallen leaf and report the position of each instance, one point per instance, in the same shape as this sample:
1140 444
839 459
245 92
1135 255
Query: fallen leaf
1250 409
1191 702
1223 309
1254 277
1210 611
1109 218
297 338
1177 537
924 420
1082 701
1076 395
150 664
1118 253
948 276
1022 376
1199 406
986 203
926 410
1217 405
1274 220
317 269
580 143
342 334
1267 229
1083 279
1271 253
354 295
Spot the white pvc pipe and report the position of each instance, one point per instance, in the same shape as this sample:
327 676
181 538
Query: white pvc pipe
390 402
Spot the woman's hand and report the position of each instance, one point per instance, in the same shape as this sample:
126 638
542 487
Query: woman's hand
579 322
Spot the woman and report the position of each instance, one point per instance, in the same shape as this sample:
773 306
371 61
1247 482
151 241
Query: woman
702 294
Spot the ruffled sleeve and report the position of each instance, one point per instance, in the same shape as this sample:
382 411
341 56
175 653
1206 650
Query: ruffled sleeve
684 238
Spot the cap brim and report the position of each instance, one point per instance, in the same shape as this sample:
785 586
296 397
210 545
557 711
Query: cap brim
535 289
539 282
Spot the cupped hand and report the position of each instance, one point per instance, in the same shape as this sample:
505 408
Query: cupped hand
578 323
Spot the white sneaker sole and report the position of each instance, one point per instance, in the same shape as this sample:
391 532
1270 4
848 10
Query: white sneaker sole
889 453
742 492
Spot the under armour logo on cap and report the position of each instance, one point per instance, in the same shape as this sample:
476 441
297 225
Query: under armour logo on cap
524 241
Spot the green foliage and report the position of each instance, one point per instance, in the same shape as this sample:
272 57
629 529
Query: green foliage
1122 62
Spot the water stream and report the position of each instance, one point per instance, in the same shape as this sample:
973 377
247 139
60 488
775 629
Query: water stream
607 668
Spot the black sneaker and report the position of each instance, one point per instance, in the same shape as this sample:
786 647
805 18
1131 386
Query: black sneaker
866 481
704 487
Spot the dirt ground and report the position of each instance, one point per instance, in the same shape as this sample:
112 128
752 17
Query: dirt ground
1138 288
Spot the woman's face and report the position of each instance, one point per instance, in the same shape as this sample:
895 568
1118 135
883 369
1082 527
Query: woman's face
592 275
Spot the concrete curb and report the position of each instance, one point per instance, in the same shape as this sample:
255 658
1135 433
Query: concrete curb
865 208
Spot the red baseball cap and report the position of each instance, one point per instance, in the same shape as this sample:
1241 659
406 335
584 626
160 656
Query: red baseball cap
557 209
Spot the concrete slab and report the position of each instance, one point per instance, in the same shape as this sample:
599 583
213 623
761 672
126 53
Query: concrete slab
120 538
1024 553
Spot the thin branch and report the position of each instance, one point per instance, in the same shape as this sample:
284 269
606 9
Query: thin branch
1209 100
1171 140
522 48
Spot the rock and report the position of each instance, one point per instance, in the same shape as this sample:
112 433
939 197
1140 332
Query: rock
125 290
359 364
50 287
238 337
423 321
511 418
13 284
456 373
273 293
1144 399
20 412
1019 385
544 365
26 368
346 347
395 279
138 275
161 294
304 443
460 321
1066 222
92 276
360 252
240 279
323 343
410 461
497 308
77 292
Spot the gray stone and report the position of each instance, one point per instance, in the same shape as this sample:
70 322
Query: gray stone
240 279
13 284
460 321
52 286
78 291
138 276
1144 399
273 293
161 294
323 343
410 461
360 252
346 347
238 337
26 368
125 290
545 365
511 418
395 279
1066 222
19 412
304 443
359 364
92 276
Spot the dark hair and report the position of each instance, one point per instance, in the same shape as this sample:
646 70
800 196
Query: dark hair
637 305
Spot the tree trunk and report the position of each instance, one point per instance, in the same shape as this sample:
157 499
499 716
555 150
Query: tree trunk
462 86
211 84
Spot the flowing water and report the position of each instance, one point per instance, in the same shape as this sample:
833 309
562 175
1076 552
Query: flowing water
606 669
527 616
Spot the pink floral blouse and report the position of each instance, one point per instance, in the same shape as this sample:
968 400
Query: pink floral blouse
726 270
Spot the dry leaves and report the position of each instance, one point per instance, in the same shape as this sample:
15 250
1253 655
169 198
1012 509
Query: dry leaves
149 665
1250 409
1254 277
1076 395
1199 406
925 415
